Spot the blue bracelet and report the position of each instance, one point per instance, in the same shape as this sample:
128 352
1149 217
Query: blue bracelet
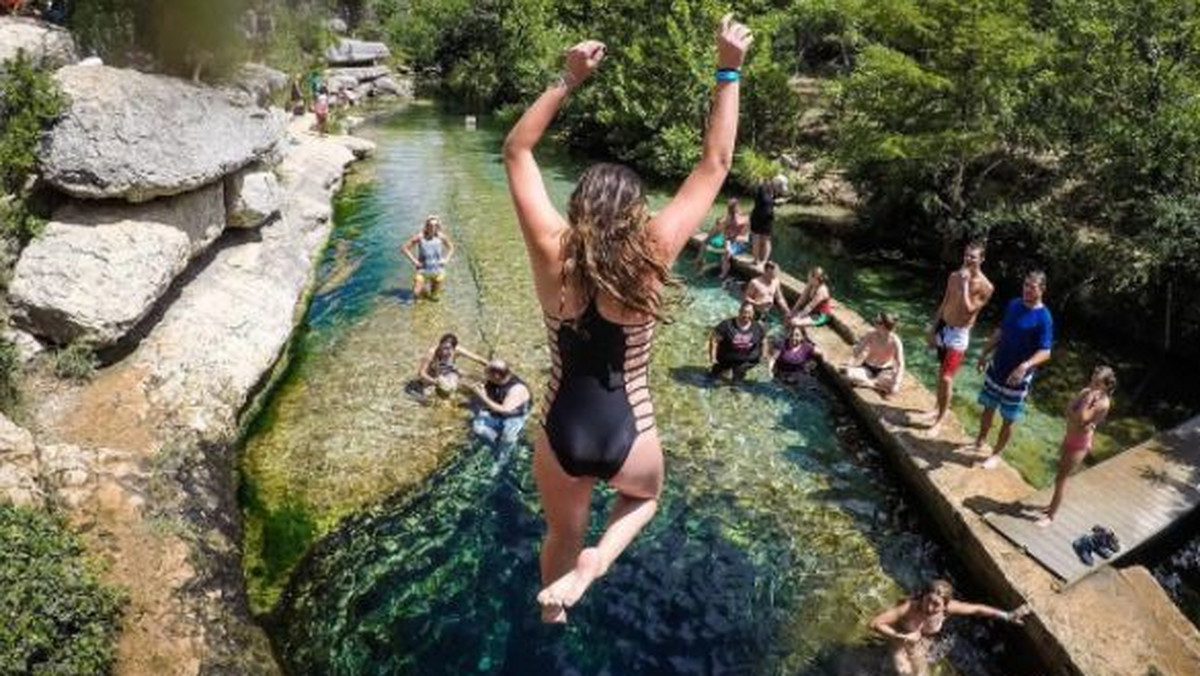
728 75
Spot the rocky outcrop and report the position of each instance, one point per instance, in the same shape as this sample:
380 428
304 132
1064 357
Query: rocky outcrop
142 456
135 137
252 197
47 45
260 82
388 86
19 466
350 52
98 269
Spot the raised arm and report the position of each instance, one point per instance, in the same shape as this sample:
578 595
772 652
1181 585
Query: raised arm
540 221
677 221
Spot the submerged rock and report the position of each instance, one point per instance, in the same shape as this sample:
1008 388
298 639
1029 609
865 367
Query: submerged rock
134 136
99 269
47 45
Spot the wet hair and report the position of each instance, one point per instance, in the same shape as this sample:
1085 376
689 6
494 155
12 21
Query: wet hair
1107 378
940 588
499 367
1037 277
448 338
607 248
886 320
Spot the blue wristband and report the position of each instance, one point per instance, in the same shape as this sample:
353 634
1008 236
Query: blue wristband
728 75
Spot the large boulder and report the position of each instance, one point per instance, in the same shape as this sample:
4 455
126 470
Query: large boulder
357 53
260 82
19 466
387 86
134 136
252 197
99 268
49 46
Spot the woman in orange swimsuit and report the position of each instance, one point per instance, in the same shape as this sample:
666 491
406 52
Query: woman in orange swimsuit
910 626
1088 409
598 275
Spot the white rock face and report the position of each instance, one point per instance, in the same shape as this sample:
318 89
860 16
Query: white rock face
230 324
357 52
135 137
252 197
19 466
49 46
260 81
98 269
388 86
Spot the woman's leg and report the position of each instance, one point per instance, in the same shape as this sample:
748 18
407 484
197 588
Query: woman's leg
1068 462
638 485
566 501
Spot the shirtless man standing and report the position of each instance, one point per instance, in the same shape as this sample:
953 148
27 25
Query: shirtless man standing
967 292
765 290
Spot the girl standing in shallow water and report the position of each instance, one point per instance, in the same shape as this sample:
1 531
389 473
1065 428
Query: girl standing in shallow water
1088 409
599 275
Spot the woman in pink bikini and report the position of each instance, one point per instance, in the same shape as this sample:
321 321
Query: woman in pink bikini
911 625
1087 410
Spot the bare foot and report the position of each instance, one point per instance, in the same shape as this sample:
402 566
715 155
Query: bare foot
554 614
992 462
1044 521
567 590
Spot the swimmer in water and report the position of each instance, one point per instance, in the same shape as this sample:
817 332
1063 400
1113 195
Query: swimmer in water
1086 411
599 275
911 625
438 370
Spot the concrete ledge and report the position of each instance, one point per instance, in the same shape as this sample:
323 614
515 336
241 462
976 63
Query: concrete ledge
1112 623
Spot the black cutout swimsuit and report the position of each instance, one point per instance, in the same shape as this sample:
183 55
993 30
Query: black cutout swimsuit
598 401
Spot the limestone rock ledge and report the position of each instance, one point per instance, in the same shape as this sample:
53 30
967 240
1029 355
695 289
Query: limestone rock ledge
142 457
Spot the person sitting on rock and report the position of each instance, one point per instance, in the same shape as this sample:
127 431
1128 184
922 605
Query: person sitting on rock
878 360
504 403
814 303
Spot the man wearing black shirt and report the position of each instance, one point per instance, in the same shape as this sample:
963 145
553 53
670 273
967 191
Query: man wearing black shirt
736 344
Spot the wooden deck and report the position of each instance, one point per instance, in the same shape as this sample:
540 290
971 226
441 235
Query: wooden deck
1138 494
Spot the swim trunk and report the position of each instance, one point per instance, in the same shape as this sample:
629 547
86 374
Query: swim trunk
952 342
819 318
997 394
1077 443
432 276
737 247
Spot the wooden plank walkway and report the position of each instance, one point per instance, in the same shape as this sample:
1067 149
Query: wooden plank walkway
1138 494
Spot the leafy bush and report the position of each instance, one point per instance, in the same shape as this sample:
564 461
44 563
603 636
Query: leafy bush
29 102
76 361
58 617
10 375
751 168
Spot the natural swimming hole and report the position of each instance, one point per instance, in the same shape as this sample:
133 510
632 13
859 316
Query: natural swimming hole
378 541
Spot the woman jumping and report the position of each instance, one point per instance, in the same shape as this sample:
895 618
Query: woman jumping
599 275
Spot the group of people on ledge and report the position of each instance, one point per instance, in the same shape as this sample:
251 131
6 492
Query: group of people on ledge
598 274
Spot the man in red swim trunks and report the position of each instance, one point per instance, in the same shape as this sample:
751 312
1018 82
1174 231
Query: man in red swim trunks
967 292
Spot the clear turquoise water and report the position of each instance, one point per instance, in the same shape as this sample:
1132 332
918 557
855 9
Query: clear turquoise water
382 544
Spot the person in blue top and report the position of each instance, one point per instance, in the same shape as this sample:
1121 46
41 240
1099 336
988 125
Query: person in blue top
1016 350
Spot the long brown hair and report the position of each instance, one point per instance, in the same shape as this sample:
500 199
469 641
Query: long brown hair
608 248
